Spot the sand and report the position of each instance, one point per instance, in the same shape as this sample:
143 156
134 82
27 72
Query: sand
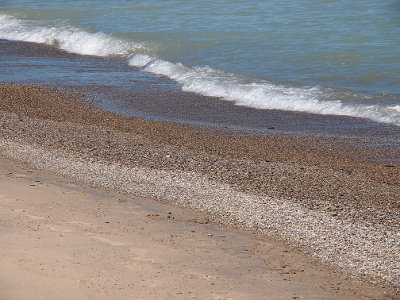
63 241
170 201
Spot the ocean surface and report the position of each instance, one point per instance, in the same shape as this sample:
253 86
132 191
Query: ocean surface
320 57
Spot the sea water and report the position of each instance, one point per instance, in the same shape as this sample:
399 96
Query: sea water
325 57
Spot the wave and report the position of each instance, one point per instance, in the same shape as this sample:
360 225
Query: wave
65 37
261 94
206 81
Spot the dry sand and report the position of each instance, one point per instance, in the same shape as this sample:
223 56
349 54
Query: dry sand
325 210
63 241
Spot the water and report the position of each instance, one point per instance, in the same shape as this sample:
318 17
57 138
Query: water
328 57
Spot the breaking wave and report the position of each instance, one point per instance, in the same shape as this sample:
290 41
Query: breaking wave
206 81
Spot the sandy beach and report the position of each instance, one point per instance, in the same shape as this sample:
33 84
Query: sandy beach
96 205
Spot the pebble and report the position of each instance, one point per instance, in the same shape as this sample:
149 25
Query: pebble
345 216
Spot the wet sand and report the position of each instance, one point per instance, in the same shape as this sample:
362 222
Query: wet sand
334 199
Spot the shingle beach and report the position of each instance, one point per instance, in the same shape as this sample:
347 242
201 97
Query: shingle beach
334 198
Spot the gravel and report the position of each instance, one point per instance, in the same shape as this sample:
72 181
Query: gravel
332 205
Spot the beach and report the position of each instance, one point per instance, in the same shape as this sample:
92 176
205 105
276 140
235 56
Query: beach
118 207
64 241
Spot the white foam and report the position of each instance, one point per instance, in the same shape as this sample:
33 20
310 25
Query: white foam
65 37
395 108
263 94
140 60
202 80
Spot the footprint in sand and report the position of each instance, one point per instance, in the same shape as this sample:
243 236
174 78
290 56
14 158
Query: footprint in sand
153 283
29 215
140 255
105 240
143 258
76 193
202 276
131 212
58 229
222 296
86 224
5 200
35 217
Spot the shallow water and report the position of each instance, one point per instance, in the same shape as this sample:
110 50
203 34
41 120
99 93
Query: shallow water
114 86
323 57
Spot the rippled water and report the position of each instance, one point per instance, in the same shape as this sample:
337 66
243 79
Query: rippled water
324 57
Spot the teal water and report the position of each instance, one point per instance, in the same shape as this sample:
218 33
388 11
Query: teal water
332 57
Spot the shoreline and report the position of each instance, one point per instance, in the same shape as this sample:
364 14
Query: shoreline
327 196
130 91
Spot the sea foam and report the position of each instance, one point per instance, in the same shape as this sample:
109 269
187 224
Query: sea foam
207 81
261 94
65 37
